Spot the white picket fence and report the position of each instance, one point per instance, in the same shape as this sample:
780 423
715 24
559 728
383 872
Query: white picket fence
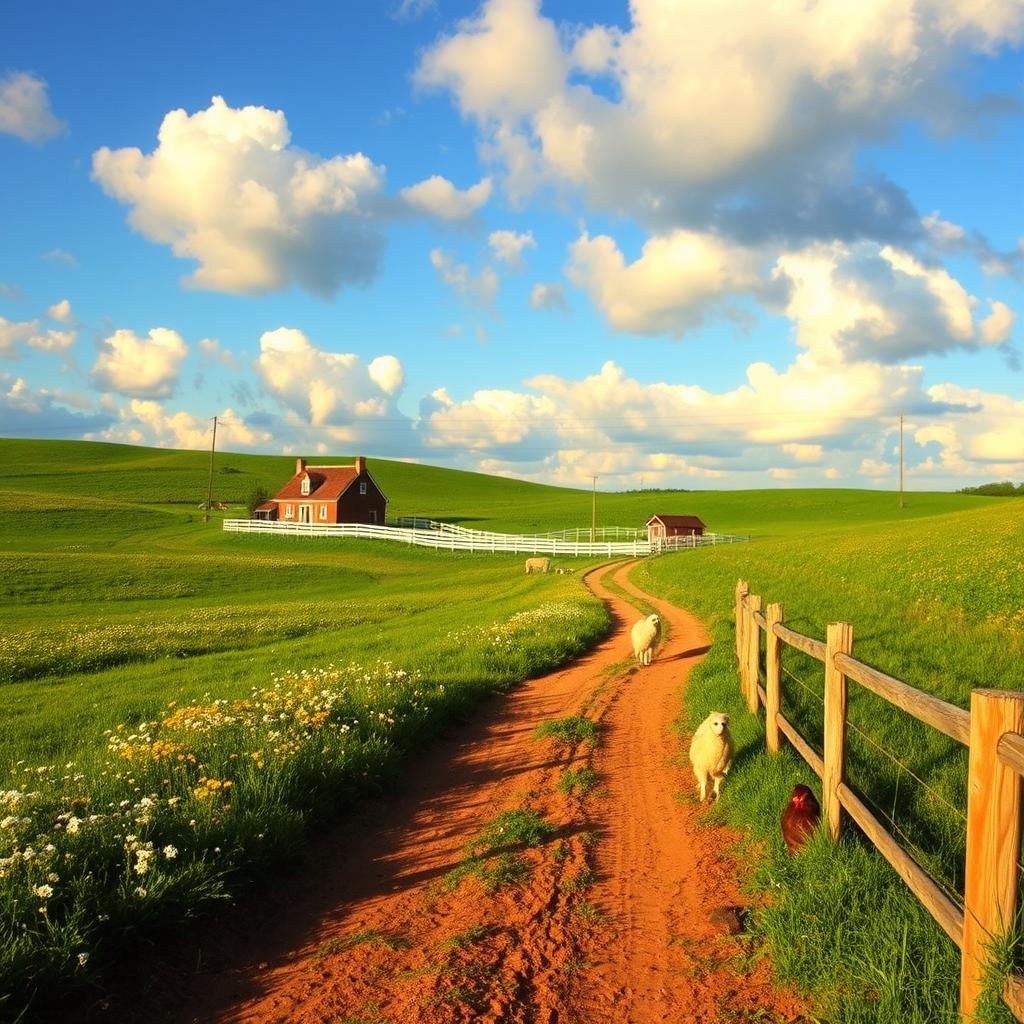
429 533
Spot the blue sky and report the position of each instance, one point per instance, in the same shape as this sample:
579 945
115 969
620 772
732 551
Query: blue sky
705 243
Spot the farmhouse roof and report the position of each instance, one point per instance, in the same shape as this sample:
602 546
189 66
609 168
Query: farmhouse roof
265 506
683 521
327 483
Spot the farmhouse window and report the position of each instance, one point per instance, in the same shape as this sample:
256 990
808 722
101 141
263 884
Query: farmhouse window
305 485
288 511
362 486
323 511
373 515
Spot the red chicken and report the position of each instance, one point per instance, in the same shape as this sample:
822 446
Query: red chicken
800 818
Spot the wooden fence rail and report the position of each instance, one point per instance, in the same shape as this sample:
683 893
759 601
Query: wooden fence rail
992 732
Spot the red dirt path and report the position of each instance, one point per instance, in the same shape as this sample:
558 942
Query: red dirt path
612 924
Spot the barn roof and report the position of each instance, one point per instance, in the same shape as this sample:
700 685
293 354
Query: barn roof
676 520
326 483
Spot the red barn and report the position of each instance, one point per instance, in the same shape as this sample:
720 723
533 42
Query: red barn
661 527
326 495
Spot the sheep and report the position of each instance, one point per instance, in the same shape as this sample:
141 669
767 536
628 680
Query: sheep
711 752
644 633
540 564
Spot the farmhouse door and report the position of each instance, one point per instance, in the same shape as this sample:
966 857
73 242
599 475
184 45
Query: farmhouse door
305 514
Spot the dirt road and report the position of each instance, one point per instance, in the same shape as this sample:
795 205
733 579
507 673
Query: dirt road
610 919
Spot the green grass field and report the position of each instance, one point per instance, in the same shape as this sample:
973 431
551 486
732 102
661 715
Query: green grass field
122 608
936 602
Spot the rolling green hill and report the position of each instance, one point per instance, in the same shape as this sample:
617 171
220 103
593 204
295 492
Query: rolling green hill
47 474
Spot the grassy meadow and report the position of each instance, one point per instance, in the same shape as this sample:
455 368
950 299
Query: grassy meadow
181 704
937 602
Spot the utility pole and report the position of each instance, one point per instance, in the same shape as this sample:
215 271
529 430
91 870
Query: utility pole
593 514
209 490
901 460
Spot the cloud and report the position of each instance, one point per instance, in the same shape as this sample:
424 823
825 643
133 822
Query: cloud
332 395
61 256
45 413
984 428
211 352
10 291
53 341
149 422
61 312
481 290
804 452
438 197
12 333
871 302
677 281
996 327
695 113
508 246
25 108
410 10
226 188
140 367
548 296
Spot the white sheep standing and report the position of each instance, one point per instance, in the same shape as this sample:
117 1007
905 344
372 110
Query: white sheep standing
711 752
644 633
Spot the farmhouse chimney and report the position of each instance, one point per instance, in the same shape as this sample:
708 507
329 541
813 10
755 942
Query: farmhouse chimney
360 464
300 466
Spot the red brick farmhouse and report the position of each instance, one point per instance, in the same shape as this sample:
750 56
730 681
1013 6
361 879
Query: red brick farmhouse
661 527
326 495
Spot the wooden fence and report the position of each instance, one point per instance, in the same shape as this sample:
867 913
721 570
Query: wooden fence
991 731
449 537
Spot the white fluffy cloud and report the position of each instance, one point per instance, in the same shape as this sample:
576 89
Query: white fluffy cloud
30 333
11 333
481 289
438 197
871 302
508 246
140 367
25 108
226 188
61 312
328 389
697 102
149 422
985 429
676 281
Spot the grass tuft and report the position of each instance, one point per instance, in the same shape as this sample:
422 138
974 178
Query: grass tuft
570 731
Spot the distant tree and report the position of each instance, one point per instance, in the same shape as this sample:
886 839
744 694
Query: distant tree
1003 489
258 496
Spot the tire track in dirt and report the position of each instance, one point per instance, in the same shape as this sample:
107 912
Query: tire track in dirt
610 921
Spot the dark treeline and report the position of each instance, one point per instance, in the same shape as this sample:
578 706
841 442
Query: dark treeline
1003 489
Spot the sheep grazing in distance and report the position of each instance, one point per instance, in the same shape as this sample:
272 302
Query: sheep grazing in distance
711 753
644 634
538 564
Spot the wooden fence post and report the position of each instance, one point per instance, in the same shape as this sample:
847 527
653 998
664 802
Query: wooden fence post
772 678
741 592
754 604
839 640
993 838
